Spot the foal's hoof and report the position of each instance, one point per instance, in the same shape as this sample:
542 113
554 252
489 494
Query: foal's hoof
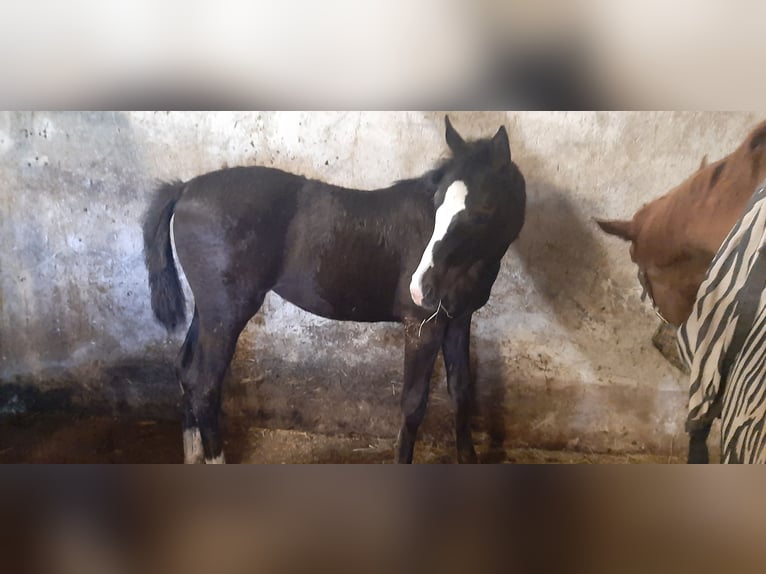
400 458
467 457
403 450
193 451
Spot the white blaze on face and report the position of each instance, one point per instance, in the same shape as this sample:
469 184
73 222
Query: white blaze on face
453 204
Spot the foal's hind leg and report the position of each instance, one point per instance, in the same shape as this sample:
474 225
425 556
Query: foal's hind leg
202 382
204 360
193 451
421 345
192 439
457 361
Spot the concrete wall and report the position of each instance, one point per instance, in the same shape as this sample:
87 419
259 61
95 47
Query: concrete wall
562 350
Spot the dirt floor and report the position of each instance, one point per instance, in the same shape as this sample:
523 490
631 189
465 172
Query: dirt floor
65 439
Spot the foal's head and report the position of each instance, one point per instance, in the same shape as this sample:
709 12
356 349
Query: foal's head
480 205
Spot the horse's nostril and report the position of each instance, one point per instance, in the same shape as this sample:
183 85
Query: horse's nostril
427 292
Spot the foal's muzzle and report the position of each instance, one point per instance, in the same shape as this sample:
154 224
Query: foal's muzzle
423 297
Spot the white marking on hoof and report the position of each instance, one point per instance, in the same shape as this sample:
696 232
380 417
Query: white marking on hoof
453 204
217 460
193 452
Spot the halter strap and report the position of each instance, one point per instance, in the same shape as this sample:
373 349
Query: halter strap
646 289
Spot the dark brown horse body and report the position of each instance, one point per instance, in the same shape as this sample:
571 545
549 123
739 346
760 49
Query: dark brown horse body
424 252
674 238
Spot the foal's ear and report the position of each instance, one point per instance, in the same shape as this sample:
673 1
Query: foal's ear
622 229
703 163
454 140
501 148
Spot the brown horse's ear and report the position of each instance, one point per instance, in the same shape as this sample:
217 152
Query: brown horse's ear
757 137
454 140
622 229
703 163
501 148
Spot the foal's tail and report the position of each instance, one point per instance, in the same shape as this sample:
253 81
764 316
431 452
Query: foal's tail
168 301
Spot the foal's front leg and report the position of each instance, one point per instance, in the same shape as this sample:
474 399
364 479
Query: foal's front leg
457 361
421 345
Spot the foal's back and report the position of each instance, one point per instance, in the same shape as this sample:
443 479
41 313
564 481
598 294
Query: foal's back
336 252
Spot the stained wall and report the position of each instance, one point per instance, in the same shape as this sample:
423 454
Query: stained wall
562 352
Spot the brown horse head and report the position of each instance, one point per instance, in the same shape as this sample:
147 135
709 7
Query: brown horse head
674 238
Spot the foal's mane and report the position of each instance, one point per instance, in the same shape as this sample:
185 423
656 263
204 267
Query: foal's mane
430 180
